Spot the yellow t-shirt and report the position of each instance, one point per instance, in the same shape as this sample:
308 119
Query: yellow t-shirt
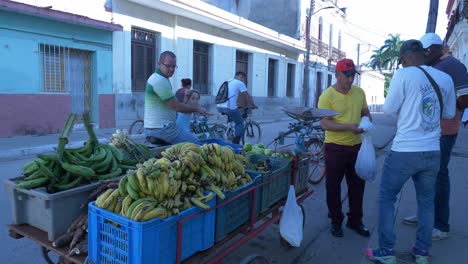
349 106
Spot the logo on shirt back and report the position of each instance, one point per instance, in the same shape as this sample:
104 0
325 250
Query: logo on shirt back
429 109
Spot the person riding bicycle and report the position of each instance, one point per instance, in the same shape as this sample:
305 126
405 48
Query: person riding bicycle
237 92
161 105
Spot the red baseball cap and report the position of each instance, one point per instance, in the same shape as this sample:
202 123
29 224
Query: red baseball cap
346 66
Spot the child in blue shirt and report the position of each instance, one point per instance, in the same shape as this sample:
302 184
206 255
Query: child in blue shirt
192 97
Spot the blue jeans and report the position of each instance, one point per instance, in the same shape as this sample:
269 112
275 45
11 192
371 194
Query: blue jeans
235 116
422 167
172 134
442 189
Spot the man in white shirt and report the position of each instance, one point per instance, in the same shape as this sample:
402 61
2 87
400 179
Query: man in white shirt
236 88
415 150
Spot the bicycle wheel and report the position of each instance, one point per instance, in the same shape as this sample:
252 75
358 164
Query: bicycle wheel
136 127
317 168
314 148
218 131
252 133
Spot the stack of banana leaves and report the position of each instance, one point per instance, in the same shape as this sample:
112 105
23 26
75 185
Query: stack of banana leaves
187 175
133 151
67 168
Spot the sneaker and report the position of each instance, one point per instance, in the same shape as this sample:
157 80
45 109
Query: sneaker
421 256
410 220
438 235
381 255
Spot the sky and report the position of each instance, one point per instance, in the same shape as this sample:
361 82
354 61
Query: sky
371 21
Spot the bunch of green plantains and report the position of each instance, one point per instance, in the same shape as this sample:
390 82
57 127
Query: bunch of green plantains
67 168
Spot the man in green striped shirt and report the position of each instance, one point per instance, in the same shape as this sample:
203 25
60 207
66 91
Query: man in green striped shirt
161 105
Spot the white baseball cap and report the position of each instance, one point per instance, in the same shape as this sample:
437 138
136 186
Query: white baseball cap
429 39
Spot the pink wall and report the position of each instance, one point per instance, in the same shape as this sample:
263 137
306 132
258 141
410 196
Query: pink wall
32 114
106 111
40 114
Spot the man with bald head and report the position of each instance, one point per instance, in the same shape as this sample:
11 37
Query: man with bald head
161 105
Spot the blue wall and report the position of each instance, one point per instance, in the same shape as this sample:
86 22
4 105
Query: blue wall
20 39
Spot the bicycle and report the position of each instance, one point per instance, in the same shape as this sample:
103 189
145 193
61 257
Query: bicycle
309 140
198 126
252 132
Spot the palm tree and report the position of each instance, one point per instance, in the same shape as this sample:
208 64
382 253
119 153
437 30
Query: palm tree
387 57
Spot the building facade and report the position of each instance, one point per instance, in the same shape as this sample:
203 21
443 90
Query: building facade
457 29
53 63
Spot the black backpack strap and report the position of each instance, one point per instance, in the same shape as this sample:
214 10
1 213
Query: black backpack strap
436 89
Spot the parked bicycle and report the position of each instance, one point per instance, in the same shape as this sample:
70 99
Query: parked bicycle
198 126
252 132
308 142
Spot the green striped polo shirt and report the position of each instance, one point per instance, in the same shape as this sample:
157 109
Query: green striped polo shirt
158 91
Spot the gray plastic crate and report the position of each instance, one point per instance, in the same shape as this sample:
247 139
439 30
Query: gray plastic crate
52 213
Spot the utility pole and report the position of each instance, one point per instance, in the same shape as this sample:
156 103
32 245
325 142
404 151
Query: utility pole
432 17
305 85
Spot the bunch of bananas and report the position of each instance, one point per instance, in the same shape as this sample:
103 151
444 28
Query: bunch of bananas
155 189
74 166
187 175
223 167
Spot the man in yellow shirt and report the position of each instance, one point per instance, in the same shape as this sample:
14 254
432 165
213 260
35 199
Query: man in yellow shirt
342 143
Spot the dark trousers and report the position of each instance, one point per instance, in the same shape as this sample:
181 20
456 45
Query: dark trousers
442 191
340 161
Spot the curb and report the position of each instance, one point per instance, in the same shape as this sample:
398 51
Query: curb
13 154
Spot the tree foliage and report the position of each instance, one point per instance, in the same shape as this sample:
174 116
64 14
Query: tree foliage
386 58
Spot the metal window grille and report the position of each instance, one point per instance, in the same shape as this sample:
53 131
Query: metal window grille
272 64
290 80
143 57
66 70
201 66
54 60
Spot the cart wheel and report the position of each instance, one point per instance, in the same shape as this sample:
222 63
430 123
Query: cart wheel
283 241
45 255
254 259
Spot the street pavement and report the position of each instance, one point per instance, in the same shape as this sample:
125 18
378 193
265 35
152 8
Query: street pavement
318 245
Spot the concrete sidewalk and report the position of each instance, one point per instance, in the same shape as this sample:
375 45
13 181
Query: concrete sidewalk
319 246
23 146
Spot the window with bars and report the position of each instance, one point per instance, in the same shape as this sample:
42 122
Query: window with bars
201 66
242 62
290 79
272 65
144 50
67 70
54 60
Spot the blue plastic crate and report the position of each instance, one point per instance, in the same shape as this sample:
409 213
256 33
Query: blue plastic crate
236 147
116 239
236 213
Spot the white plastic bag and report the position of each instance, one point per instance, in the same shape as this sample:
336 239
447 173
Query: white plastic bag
365 164
291 222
